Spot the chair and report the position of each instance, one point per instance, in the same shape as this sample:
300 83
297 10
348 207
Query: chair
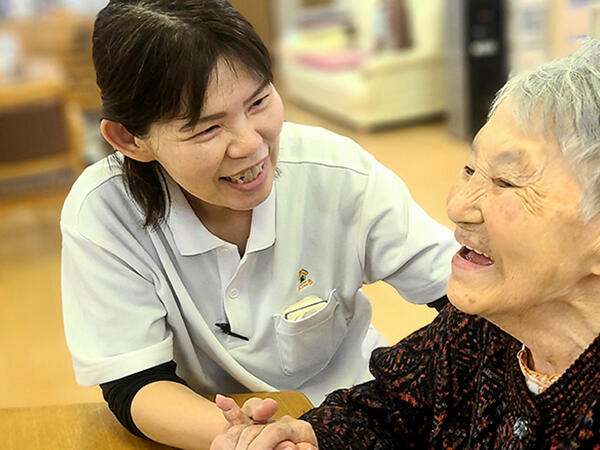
65 38
42 134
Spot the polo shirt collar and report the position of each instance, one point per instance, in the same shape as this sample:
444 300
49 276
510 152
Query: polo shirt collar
262 229
192 237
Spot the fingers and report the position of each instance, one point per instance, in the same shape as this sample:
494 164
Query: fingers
231 410
241 436
253 410
224 403
286 445
283 435
218 443
260 410
286 429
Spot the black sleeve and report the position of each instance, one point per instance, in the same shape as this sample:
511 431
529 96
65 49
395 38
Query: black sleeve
439 303
119 393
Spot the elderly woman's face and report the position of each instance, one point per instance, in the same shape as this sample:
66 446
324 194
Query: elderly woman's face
516 209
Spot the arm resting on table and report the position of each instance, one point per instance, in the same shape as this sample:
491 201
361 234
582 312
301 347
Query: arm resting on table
119 393
157 404
173 414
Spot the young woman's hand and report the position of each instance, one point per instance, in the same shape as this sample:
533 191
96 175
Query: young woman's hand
254 410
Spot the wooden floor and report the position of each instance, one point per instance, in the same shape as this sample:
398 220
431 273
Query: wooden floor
35 368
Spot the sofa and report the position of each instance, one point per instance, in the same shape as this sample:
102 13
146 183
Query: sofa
359 82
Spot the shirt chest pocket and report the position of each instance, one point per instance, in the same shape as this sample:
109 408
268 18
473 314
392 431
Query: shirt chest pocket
306 346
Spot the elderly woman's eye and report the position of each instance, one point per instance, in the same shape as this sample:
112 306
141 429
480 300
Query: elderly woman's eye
260 102
503 183
468 170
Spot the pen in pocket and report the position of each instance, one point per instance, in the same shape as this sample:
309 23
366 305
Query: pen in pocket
304 308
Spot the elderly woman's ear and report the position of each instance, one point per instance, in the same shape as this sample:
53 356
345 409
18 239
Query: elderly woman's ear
596 248
593 227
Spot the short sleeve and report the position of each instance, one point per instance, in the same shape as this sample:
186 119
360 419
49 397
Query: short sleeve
402 244
114 321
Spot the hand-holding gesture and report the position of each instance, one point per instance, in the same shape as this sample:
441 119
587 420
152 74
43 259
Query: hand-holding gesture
252 427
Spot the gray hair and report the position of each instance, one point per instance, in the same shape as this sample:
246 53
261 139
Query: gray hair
565 95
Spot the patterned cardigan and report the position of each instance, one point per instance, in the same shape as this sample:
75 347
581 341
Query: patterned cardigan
457 384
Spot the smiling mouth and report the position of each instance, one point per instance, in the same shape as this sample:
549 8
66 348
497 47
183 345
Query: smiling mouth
246 176
475 257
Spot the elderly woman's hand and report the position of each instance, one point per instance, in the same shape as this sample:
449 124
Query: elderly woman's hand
247 431
285 434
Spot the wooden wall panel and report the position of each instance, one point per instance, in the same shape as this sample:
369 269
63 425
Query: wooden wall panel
260 14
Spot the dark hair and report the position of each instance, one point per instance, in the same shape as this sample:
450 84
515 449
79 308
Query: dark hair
154 60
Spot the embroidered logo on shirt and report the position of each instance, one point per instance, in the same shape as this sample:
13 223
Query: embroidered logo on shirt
303 280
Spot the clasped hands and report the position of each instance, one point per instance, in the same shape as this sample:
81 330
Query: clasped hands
252 427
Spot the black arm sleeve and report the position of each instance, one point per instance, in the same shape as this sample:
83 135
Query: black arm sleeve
439 303
119 393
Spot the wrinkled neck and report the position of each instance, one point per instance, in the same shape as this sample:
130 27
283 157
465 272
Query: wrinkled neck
555 333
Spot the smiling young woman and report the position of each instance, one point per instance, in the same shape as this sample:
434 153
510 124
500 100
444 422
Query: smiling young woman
225 161
184 250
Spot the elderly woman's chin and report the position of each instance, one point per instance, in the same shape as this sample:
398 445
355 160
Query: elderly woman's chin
466 285
469 298
459 297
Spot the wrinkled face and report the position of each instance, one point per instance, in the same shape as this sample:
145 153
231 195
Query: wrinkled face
516 209
228 158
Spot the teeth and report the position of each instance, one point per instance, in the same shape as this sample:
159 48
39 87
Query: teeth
479 253
248 176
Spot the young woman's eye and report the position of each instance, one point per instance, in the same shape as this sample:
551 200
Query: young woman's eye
468 170
207 133
208 130
503 183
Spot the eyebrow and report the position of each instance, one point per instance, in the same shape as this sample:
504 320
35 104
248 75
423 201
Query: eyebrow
220 115
504 157
509 156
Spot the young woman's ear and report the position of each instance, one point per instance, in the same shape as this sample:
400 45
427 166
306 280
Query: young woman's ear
125 142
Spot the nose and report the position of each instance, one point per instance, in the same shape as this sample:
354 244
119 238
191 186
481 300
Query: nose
464 201
245 142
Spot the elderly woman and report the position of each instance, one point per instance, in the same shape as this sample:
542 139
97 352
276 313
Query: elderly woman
514 362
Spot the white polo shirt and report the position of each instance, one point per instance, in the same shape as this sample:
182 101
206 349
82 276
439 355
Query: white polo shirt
134 298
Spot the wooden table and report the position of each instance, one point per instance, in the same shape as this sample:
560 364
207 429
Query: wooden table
92 426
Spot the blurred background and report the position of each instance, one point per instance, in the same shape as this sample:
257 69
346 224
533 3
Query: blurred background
410 80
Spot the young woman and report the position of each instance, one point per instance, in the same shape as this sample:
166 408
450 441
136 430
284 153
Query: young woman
220 249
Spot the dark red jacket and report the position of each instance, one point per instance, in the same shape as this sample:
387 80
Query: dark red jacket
456 384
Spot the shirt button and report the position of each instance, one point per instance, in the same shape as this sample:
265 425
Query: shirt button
234 293
520 428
